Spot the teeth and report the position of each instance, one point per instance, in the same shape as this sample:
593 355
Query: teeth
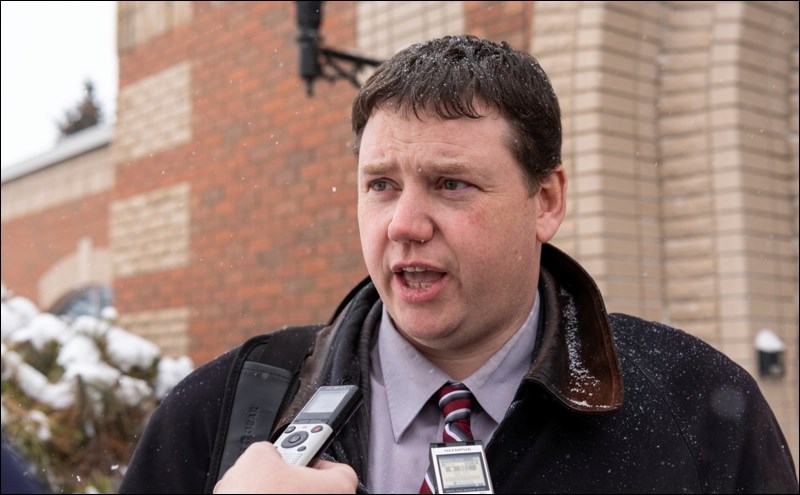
419 285
418 277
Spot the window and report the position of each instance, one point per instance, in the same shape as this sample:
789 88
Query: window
87 300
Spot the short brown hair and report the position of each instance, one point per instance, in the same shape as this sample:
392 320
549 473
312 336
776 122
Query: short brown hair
446 76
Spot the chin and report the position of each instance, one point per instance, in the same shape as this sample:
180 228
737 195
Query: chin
423 330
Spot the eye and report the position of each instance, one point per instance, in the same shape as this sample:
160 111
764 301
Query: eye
453 184
379 185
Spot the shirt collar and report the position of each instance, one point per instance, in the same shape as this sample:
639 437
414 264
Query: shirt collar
410 379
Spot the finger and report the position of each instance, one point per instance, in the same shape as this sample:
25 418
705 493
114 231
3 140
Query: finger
263 448
323 464
344 470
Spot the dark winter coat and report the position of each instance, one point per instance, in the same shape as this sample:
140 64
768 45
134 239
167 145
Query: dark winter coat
690 421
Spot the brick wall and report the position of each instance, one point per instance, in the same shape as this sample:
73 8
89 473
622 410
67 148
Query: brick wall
251 151
55 227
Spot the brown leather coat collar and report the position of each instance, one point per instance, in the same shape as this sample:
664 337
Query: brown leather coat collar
576 359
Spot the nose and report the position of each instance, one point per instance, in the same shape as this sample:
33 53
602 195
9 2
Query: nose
411 220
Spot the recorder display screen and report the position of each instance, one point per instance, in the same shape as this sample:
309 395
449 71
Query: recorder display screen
325 401
462 471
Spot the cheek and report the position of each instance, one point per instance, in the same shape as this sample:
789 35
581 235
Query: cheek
371 233
475 238
505 236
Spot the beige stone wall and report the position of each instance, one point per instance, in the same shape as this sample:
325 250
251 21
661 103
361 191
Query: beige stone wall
155 113
76 178
150 232
789 414
607 84
168 328
384 28
733 145
680 123
139 22
87 265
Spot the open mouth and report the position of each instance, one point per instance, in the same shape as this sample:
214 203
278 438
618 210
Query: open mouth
418 277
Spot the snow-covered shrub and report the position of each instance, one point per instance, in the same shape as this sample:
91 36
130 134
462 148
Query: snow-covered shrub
76 395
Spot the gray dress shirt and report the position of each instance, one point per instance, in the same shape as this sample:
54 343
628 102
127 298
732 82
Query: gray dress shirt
404 421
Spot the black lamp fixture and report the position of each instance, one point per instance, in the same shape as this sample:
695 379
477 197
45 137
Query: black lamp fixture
314 59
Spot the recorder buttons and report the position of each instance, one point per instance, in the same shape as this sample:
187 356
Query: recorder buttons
294 439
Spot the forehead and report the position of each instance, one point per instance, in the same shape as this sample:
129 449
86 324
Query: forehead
390 132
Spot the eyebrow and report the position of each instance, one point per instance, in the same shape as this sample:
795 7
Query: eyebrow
444 168
380 168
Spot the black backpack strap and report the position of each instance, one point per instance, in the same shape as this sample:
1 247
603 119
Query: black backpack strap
256 391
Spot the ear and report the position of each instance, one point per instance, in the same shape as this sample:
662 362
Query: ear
552 204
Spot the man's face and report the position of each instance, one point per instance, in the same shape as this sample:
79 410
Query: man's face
448 229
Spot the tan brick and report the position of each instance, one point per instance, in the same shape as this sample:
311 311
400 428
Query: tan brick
693 144
696 16
682 102
150 232
167 328
87 265
708 331
387 27
684 80
599 122
71 180
608 184
687 205
698 225
738 351
688 40
547 22
690 268
690 288
155 113
683 124
688 247
688 184
764 16
691 310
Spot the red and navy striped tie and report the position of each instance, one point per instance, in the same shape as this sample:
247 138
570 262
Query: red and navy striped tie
456 402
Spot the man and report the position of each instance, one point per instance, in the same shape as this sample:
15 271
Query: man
460 189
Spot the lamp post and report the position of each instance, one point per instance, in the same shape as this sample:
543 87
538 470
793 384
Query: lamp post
314 59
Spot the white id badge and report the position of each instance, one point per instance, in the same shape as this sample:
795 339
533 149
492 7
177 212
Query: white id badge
460 467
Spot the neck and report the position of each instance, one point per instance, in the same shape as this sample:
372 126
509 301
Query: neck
459 368
461 362
460 359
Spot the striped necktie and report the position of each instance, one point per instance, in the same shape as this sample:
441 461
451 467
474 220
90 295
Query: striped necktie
456 402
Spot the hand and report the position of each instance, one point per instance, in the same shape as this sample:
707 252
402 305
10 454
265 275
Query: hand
261 469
